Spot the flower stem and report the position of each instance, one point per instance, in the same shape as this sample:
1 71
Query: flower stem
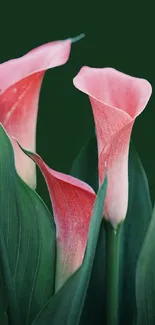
112 273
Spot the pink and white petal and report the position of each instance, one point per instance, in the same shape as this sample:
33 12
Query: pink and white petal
114 160
20 83
114 89
72 202
40 59
116 100
108 121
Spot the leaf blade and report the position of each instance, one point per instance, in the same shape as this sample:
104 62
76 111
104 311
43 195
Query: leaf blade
29 236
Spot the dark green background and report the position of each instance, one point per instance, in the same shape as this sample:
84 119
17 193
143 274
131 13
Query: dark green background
118 34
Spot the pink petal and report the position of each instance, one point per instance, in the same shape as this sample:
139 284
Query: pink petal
72 202
20 83
116 99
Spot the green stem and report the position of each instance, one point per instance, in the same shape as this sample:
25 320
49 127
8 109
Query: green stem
112 273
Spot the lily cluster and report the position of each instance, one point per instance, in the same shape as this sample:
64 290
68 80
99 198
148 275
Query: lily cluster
79 265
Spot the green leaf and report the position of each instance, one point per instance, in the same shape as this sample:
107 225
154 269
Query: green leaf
94 309
145 279
85 166
132 235
66 306
27 242
3 302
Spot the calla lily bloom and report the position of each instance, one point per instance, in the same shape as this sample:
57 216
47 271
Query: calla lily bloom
72 202
20 83
116 100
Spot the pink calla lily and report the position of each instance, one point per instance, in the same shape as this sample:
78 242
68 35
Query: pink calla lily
116 100
72 202
20 83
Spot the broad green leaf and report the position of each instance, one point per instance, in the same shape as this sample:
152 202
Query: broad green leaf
145 279
85 166
27 243
94 310
66 306
3 300
132 236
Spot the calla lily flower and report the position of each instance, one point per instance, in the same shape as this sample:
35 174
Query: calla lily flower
116 100
72 202
20 83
